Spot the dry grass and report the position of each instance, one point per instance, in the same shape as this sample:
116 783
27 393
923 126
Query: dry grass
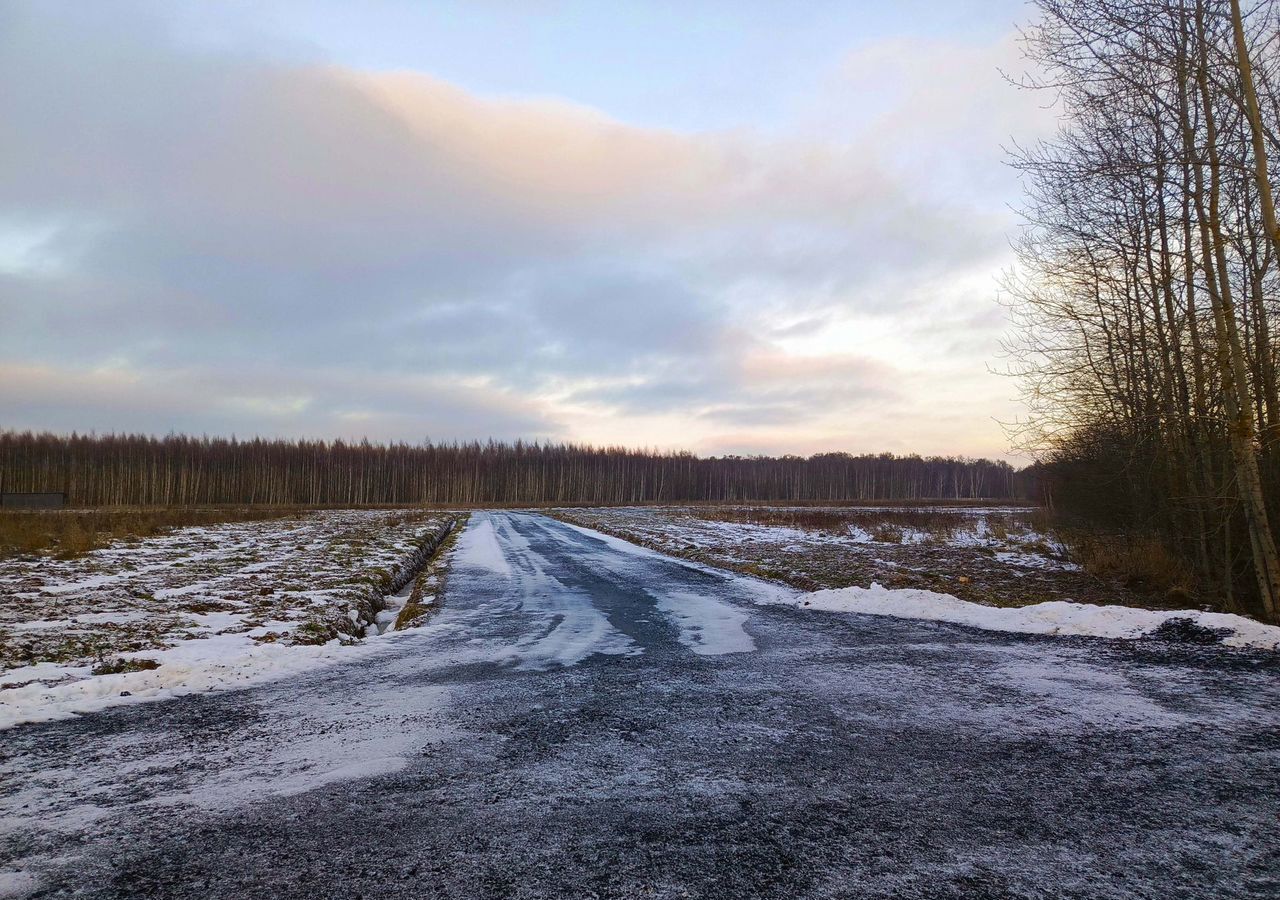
887 533
414 611
120 666
1141 563
75 532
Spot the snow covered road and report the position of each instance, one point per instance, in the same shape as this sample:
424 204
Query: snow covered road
587 718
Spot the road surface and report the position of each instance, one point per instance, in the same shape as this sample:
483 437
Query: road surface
586 719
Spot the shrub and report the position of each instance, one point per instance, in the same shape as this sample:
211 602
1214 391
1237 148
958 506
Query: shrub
1141 562
887 533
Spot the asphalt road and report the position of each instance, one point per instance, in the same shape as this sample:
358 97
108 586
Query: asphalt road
585 720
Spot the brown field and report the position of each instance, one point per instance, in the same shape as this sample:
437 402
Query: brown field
69 533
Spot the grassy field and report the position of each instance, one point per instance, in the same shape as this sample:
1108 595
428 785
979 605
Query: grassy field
70 533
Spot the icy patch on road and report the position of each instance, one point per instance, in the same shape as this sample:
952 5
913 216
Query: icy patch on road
572 630
478 548
1055 688
559 626
754 589
1053 618
328 744
708 627
216 754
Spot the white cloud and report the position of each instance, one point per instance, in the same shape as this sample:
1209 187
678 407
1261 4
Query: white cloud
390 252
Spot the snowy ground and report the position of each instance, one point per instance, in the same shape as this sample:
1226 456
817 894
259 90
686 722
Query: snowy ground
200 608
1054 617
587 718
990 555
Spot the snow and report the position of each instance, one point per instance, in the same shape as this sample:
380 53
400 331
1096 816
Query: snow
1035 561
570 629
228 622
566 626
478 548
43 671
1005 531
708 627
220 662
1052 618
106 618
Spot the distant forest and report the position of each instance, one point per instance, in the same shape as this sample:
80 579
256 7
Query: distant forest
136 470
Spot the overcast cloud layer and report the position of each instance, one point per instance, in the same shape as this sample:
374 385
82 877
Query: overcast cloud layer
232 240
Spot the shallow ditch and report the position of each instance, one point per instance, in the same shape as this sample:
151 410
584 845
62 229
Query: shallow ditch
400 588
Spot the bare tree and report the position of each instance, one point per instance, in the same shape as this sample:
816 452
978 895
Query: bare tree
1145 292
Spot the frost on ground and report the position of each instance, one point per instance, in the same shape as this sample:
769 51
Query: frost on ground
992 555
201 608
511 753
1018 576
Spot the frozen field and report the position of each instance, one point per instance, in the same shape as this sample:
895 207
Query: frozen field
991 555
202 607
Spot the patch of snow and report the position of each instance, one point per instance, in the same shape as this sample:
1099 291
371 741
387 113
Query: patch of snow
478 548
1035 561
178 598
215 663
214 621
277 626
44 671
1052 618
708 627
105 618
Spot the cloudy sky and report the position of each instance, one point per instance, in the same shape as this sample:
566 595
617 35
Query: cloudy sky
724 225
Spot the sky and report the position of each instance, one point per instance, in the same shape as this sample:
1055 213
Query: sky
728 227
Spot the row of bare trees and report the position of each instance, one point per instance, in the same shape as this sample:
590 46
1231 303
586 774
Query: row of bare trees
1146 295
124 470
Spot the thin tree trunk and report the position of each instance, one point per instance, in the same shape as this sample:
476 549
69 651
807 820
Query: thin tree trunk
1231 363
1258 136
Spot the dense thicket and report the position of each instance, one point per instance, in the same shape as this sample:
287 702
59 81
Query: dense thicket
177 471
1147 289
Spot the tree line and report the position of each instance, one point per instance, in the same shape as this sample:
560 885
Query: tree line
177 470
1146 291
